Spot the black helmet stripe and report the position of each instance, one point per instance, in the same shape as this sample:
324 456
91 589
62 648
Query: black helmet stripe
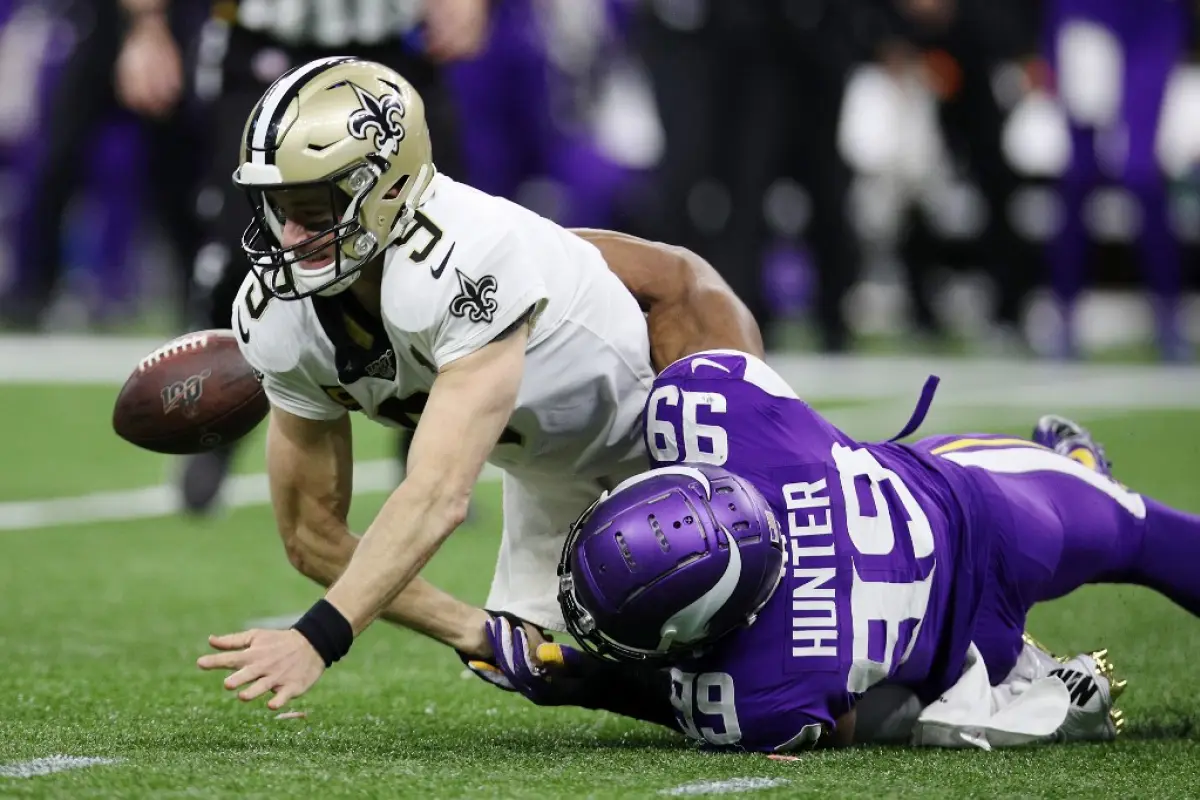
260 141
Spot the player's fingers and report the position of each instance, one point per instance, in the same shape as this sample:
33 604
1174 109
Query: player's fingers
232 641
505 653
243 676
560 658
484 667
228 660
493 634
492 675
256 689
528 667
551 655
282 695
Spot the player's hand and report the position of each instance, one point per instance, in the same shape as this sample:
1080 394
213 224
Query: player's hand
149 70
455 30
544 673
282 662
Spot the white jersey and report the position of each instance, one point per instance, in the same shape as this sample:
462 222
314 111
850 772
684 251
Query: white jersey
468 267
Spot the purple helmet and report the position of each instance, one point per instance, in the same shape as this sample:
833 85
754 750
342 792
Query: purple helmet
670 561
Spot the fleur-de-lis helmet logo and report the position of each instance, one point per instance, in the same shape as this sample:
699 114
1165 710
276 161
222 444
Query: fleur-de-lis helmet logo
380 115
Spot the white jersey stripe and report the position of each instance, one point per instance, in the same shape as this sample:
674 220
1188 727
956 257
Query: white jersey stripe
1021 460
274 102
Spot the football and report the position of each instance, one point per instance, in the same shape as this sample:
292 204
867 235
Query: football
192 395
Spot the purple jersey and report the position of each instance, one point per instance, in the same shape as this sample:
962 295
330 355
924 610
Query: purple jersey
881 581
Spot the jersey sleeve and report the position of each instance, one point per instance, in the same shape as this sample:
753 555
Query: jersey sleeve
730 409
740 705
295 394
786 724
485 287
270 345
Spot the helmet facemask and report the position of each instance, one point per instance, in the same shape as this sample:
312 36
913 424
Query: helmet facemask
329 214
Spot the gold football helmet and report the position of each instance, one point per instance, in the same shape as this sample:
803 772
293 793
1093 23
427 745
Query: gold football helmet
340 146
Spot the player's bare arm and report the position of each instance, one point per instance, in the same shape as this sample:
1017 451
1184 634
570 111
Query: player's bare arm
469 404
690 307
310 467
843 734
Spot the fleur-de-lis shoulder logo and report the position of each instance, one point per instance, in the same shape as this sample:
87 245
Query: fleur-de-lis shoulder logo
380 116
474 299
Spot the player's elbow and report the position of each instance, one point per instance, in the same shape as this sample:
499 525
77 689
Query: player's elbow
442 500
319 555
301 556
449 506
733 326
455 512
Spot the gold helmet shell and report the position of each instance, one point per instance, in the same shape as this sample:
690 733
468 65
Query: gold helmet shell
351 133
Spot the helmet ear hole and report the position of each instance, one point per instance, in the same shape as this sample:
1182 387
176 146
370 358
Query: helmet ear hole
396 188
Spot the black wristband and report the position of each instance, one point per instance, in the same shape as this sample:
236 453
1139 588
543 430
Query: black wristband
327 631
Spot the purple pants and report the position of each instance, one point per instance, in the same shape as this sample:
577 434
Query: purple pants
1059 526
1153 35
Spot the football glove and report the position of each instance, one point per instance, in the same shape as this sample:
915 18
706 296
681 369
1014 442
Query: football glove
553 683
556 675
489 671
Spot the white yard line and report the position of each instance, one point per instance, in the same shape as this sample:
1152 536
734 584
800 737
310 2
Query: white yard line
71 359
109 361
729 786
160 501
975 394
873 421
50 765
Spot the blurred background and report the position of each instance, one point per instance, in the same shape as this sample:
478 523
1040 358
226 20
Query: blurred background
1011 178
981 189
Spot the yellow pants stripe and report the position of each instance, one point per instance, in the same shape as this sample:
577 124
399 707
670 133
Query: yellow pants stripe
960 444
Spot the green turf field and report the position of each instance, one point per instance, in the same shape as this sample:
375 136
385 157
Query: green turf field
102 623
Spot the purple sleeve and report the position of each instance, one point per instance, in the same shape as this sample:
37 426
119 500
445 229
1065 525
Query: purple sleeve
732 410
737 701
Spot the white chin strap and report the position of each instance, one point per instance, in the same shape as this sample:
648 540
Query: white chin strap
308 280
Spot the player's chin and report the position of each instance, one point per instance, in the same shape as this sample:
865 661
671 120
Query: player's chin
315 263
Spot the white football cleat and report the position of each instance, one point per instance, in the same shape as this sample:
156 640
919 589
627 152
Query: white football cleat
1093 686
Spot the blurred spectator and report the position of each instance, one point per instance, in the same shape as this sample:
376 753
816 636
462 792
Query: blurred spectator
749 93
248 44
956 47
83 125
522 106
244 48
1112 60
